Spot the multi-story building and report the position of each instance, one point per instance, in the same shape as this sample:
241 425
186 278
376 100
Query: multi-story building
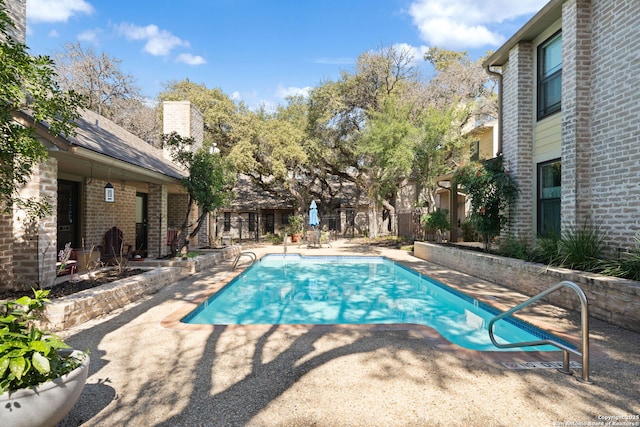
569 119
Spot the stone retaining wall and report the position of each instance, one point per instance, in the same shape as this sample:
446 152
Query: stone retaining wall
207 258
74 309
614 300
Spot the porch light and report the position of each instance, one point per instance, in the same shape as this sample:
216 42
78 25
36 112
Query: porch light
109 193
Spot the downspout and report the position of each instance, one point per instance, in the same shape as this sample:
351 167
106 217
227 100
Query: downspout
498 76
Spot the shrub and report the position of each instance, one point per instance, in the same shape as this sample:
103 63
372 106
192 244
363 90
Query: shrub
515 248
547 249
492 191
469 233
626 266
435 222
581 247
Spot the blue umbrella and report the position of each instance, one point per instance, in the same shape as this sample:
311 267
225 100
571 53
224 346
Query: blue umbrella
313 214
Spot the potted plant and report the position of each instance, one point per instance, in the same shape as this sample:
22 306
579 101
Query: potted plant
41 377
295 227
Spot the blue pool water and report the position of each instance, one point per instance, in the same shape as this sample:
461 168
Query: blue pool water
295 289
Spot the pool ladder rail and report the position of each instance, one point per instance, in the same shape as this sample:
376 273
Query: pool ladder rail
584 315
244 254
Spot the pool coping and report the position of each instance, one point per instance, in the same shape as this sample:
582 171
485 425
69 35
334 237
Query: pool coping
429 334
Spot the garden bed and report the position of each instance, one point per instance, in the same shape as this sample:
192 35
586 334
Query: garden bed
614 300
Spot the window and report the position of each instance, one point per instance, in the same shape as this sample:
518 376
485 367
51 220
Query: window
227 221
550 76
285 217
549 196
252 221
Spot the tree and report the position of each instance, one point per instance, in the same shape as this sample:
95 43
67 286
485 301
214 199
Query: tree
492 191
209 181
27 84
219 112
340 115
438 149
272 151
458 79
107 90
388 149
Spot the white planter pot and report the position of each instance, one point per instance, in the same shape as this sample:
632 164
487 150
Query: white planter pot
46 404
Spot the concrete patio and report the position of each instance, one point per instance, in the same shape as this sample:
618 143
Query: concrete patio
147 370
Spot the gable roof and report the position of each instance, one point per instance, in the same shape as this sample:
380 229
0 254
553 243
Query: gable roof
100 135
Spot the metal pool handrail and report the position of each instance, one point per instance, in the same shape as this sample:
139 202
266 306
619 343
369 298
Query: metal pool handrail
584 314
241 254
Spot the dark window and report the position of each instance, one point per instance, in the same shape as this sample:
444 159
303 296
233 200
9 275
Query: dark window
227 221
252 221
549 196
550 76
285 217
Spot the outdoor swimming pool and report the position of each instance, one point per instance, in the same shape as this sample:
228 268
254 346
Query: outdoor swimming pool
294 289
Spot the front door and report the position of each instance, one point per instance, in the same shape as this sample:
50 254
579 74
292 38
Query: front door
141 224
68 217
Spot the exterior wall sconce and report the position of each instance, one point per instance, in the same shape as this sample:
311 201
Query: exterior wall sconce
109 193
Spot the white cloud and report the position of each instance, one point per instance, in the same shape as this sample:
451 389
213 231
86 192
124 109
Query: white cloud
284 92
56 10
190 59
460 24
236 96
158 42
90 35
417 53
53 34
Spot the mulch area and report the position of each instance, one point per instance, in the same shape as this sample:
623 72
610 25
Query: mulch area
70 287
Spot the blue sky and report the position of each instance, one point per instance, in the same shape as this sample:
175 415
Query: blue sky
260 51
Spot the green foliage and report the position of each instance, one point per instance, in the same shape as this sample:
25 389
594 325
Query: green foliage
547 249
492 191
435 224
209 182
387 147
275 239
469 234
295 224
581 248
441 59
27 83
627 265
516 248
436 221
28 355
218 110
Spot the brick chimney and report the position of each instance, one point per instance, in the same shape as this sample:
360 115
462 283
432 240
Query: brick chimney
184 119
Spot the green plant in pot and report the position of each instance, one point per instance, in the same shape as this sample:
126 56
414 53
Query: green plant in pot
41 377
295 227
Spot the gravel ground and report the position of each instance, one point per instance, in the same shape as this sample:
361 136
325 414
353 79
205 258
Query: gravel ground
146 371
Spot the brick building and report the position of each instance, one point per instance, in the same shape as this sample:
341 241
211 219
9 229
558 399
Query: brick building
102 177
570 119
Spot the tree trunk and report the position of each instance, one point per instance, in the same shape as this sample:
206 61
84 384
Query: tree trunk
392 217
373 220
